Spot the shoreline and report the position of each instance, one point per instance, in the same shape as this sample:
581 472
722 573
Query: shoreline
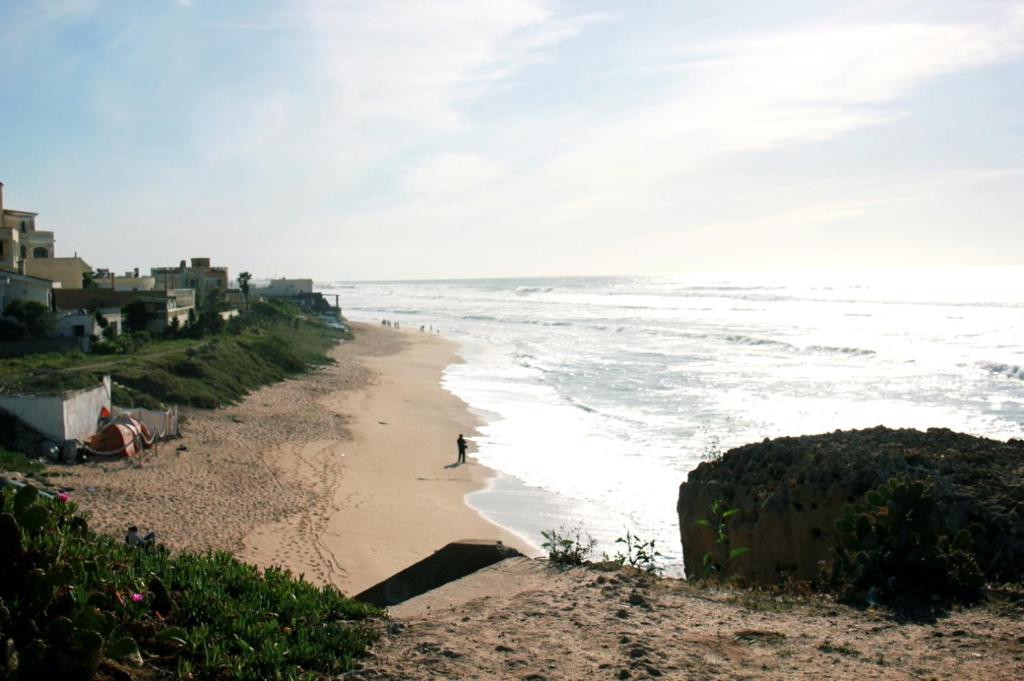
344 475
398 480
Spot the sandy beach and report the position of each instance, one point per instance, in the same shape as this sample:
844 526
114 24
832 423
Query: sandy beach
344 475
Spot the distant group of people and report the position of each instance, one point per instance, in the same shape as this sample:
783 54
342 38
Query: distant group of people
424 328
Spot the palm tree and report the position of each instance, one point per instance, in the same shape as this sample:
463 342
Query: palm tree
243 283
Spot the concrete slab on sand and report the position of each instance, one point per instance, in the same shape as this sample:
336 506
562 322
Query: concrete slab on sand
447 564
503 580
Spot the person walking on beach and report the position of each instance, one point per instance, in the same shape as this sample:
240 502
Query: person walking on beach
461 442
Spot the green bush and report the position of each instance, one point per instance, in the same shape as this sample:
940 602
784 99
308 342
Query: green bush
640 553
896 547
70 599
719 561
36 319
16 462
568 547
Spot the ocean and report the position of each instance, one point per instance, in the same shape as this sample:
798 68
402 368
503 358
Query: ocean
600 394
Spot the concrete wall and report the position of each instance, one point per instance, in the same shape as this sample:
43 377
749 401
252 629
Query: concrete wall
14 218
160 424
14 287
45 414
180 313
82 409
68 417
202 278
124 283
66 328
68 271
67 323
38 240
286 287
10 247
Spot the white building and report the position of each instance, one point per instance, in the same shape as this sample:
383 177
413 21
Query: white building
14 286
198 275
285 288
129 281
83 325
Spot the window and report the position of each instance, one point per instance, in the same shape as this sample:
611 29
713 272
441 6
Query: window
3 249
23 227
79 330
24 253
40 252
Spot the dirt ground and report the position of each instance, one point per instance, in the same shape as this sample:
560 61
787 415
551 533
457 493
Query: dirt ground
523 619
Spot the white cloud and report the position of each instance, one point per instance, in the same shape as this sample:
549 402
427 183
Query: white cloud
739 96
418 62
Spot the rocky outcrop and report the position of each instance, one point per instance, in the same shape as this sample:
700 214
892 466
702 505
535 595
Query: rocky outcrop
791 490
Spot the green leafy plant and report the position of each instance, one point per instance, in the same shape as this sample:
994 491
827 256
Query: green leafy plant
36 319
70 600
568 547
640 553
719 560
896 546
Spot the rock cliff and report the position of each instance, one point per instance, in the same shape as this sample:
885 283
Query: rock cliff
791 490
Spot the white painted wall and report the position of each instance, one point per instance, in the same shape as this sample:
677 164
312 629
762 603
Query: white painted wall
45 414
69 417
82 409
15 287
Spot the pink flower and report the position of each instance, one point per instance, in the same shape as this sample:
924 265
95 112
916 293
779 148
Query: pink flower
63 497
137 598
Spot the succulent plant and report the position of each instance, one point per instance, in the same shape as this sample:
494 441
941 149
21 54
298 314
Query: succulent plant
896 545
70 599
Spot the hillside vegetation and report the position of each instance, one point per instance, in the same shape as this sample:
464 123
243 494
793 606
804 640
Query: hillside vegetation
266 344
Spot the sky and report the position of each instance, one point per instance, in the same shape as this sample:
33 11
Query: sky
411 140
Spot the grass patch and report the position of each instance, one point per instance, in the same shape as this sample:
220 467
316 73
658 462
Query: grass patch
73 602
266 345
16 462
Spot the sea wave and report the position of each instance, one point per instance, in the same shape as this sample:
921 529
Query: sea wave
579 405
527 290
753 340
1008 370
831 349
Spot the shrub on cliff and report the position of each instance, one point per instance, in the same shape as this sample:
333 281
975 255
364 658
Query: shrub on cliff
896 546
72 602
568 547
